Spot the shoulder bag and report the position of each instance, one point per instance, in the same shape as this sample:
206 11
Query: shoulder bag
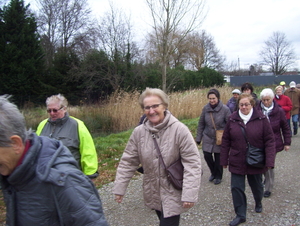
255 156
219 133
174 171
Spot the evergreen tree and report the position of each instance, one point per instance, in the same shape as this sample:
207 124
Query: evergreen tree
21 59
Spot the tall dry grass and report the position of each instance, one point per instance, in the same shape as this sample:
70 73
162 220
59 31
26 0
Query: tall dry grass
121 110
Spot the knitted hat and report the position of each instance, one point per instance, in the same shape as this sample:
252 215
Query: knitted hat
214 91
236 91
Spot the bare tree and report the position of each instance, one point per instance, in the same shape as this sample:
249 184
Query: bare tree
62 23
203 51
278 53
173 18
115 38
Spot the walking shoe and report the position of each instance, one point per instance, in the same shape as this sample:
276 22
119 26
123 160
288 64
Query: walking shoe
258 208
236 221
267 194
211 178
217 181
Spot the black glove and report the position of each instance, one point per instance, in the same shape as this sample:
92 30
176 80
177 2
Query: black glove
198 142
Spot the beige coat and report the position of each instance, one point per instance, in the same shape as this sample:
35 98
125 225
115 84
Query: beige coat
174 140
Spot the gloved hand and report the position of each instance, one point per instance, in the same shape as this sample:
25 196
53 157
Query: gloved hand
198 142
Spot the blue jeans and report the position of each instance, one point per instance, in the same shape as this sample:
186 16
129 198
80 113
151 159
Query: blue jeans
295 119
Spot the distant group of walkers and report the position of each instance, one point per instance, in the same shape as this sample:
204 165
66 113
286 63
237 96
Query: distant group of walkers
261 122
47 178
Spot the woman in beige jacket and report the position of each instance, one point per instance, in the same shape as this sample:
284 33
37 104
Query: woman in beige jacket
175 141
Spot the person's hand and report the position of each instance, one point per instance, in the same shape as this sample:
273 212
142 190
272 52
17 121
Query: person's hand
118 198
225 167
188 204
286 147
198 142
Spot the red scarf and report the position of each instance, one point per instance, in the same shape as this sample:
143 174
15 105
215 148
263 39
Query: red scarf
27 146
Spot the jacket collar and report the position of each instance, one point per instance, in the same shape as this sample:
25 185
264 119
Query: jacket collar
217 108
60 121
168 120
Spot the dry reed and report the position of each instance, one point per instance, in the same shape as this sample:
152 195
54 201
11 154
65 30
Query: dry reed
121 110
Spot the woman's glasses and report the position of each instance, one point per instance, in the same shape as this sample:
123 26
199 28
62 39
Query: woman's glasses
246 105
54 110
154 106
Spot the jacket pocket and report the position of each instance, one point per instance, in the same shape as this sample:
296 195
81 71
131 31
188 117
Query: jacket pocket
235 157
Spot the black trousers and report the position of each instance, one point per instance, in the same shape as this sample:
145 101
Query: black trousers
213 162
238 192
169 221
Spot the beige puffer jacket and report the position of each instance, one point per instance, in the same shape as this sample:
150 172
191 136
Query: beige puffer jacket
174 140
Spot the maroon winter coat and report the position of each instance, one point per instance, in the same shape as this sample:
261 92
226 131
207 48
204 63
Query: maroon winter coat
280 126
234 148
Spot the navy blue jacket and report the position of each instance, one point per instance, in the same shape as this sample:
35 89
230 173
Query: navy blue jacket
49 189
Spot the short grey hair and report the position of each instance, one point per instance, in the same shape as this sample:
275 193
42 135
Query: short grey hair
154 92
59 98
267 92
12 122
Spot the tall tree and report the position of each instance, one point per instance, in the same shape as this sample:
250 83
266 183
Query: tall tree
63 24
203 51
116 39
21 54
173 19
278 53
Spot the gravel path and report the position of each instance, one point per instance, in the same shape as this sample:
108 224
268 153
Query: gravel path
215 207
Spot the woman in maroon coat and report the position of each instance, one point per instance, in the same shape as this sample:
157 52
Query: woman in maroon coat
234 149
280 127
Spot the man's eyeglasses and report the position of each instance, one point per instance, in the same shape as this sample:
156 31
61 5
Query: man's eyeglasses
54 110
246 105
154 106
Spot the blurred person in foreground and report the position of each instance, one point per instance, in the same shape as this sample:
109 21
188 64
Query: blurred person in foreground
206 133
284 102
280 127
234 150
41 182
72 132
248 88
175 141
294 94
231 104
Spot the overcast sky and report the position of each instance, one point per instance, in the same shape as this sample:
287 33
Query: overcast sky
239 27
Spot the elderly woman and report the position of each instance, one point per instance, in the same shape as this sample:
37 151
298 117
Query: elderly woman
231 104
213 117
280 127
175 141
234 151
284 102
72 132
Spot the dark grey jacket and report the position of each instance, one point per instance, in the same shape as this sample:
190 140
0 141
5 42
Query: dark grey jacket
49 189
206 131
